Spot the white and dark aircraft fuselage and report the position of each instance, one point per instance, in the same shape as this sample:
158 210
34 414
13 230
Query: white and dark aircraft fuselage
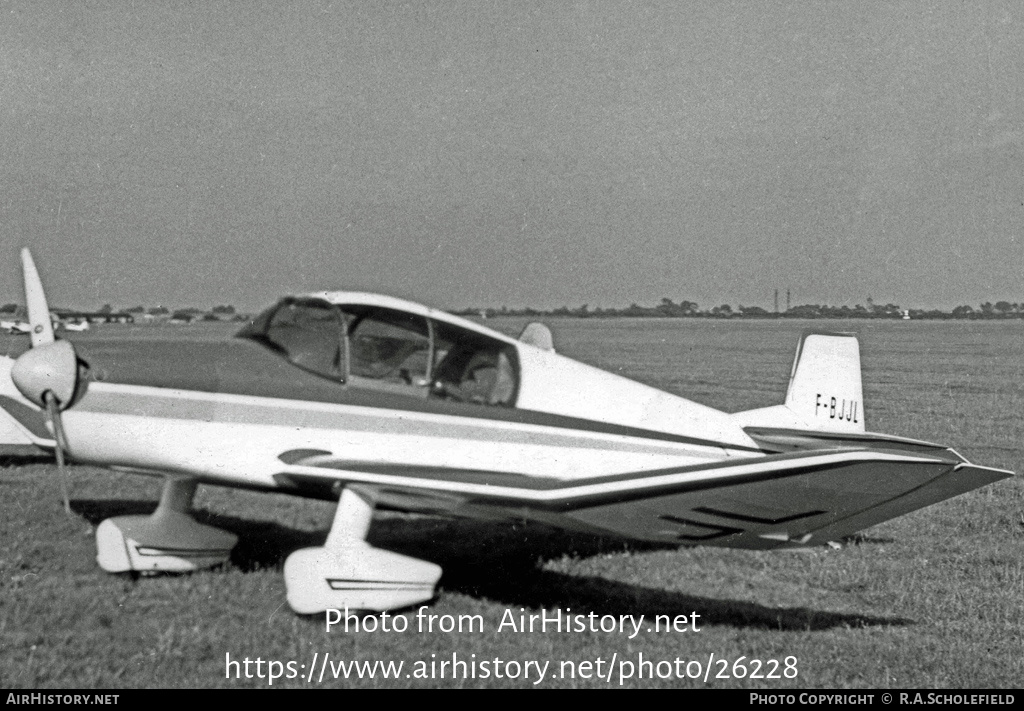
380 402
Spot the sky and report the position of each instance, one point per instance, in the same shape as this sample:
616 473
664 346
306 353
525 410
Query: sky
514 153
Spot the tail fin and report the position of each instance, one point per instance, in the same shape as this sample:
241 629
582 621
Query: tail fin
825 391
825 385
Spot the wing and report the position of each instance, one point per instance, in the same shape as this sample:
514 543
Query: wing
23 430
781 500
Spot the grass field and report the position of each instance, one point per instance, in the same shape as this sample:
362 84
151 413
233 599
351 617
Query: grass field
933 599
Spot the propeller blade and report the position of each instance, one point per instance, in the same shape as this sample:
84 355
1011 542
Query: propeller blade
53 409
35 299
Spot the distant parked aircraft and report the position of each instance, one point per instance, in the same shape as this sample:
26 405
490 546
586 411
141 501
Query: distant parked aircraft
15 326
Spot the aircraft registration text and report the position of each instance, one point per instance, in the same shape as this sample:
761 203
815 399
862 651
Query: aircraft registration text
836 408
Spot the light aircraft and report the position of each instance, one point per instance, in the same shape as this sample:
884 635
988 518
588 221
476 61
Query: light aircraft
15 326
377 402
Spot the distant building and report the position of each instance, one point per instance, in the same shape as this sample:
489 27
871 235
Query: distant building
69 316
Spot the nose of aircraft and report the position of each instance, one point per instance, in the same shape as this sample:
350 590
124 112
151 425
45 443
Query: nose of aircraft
52 367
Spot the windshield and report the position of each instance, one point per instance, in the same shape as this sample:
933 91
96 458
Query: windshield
308 332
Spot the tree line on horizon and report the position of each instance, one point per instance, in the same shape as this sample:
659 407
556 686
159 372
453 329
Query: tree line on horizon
689 309
665 309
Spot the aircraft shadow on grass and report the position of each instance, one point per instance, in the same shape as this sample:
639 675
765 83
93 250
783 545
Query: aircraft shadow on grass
505 564
23 460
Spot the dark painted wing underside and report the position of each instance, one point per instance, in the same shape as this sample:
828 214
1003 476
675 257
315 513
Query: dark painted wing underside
776 501
801 510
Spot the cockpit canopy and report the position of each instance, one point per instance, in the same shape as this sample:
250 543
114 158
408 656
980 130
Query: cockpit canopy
382 348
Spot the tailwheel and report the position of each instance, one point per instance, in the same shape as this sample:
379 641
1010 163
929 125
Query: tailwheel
168 540
349 573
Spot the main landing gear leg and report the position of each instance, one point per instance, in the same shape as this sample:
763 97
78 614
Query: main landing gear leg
347 572
168 540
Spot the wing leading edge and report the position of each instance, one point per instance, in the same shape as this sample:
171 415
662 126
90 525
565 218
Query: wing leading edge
782 500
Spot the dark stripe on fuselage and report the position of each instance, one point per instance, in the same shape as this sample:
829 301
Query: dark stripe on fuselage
32 420
243 367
